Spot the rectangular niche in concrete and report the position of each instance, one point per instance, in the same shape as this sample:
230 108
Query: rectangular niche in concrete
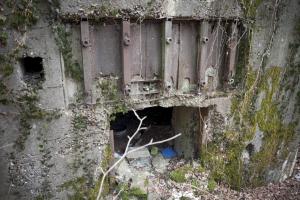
162 123
33 69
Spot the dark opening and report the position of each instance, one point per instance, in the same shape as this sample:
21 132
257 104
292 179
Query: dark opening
158 123
33 69
162 123
250 149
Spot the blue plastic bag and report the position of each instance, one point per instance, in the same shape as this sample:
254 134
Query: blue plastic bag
168 153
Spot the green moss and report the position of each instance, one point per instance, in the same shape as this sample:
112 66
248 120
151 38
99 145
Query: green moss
212 184
225 163
83 188
63 41
128 193
178 175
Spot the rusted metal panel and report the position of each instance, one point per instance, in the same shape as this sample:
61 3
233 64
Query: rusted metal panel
152 50
86 60
203 48
211 54
216 45
175 55
231 52
168 42
107 49
215 55
126 56
144 55
137 69
187 56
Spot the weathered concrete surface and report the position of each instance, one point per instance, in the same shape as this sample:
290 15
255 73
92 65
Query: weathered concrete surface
72 145
186 120
272 41
157 8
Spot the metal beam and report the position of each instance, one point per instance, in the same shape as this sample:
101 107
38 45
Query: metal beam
231 52
167 42
202 58
88 71
126 62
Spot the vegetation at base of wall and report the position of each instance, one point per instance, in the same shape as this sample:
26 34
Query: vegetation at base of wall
212 184
131 192
63 41
84 188
258 106
178 175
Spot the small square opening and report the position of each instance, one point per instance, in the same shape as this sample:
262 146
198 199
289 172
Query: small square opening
33 70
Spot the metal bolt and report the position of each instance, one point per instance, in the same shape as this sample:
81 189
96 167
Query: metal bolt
169 40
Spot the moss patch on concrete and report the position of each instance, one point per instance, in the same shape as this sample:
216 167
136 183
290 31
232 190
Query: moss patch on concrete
223 157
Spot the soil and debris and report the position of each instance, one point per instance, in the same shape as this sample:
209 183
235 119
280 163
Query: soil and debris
176 178
158 172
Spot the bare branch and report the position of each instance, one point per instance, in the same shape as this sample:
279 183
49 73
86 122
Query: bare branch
130 138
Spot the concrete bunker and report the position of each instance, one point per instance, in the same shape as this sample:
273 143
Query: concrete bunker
162 123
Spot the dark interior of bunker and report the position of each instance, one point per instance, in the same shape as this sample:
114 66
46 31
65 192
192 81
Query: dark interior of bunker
162 123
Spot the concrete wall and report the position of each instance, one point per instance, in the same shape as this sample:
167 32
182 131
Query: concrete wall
71 145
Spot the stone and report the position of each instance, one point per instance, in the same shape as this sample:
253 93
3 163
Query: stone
123 171
154 151
142 153
139 179
160 163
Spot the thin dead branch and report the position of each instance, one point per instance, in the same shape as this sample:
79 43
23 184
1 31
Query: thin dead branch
130 138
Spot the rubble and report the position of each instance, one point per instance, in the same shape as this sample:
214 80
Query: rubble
142 153
160 163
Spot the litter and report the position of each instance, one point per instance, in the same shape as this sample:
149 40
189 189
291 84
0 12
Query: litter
168 153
